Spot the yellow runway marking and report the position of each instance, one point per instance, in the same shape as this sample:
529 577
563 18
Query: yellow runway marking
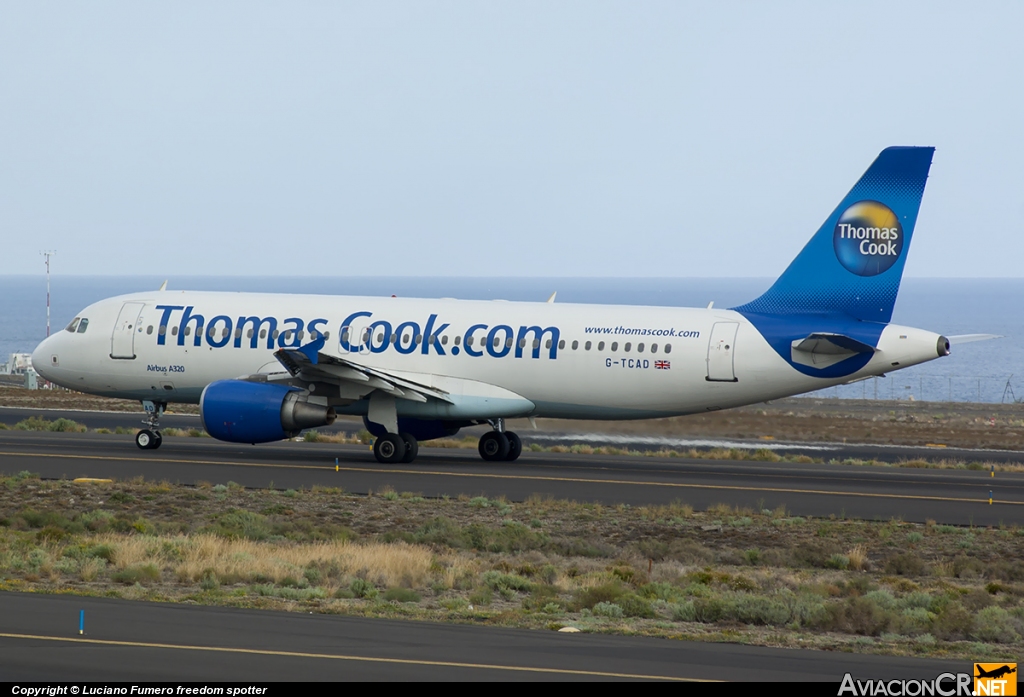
522 477
343 657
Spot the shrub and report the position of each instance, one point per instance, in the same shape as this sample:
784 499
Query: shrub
242 524
754 609
140 573
906 564
684 612
363 589
605 609
953 622
996 625
402 595
607 593
634 606
858 616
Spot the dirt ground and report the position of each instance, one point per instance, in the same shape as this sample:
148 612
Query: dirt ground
955 424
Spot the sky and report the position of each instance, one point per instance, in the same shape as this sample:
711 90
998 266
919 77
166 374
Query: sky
624 139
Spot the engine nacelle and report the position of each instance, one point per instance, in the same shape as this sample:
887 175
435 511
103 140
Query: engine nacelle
257 412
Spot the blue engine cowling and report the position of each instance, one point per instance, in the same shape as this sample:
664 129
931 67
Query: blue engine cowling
420 429
257 412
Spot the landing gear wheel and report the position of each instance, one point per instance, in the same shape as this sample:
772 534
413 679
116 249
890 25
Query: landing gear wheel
145 439
494 446
158 440
412 447
515 446
389 449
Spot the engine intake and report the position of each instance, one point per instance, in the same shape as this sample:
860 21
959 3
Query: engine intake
249 412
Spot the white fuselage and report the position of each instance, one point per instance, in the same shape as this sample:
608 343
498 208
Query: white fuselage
566 360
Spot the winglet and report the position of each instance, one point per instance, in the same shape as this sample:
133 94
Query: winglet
552 298
312 349
163 286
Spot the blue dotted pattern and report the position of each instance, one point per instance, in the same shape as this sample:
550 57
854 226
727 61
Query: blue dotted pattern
817 293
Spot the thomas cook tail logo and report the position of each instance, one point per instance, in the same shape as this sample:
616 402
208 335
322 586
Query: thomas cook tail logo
868 238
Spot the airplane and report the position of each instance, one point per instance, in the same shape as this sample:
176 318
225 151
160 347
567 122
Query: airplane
263 367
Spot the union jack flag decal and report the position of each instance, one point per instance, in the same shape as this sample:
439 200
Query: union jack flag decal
662 365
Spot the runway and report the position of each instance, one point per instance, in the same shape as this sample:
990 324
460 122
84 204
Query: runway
958 497
147 642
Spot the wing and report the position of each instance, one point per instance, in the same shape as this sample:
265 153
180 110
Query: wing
309 364
337 381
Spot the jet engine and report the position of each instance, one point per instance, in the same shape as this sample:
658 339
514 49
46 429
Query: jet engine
252 412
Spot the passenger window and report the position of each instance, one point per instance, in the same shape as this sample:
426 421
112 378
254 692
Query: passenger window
508 342
275 335
174 331
188 330
626 347
536 343
522 343
600 346
469 340
83 325
344 334
238 332
419 339
248 334
73 325
395 338
444 340
668 348
457 340
654 348
561 344
640 348
302 334
224 333
575 345
586 346
615 346
547 344
327 335
263 333
163 330
149 329
497 342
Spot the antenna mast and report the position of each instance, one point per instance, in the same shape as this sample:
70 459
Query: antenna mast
47 255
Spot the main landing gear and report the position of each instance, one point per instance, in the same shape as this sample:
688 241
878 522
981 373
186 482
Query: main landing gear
499 444
149 438
391 449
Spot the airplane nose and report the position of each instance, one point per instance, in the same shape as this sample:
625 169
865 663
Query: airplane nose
45 358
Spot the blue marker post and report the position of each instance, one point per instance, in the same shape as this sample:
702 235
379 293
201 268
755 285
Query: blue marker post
81 621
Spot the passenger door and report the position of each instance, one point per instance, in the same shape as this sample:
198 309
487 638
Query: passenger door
721 348
122 341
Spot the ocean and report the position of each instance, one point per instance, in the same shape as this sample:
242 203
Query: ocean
989 371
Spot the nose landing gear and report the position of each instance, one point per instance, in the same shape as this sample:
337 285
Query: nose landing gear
149 438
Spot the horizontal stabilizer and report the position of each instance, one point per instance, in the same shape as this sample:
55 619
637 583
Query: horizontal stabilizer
822 349
968 338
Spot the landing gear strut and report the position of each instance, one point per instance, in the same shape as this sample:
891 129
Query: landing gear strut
499 444
149 438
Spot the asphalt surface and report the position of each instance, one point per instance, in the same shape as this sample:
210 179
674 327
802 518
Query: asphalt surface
146 642
958 497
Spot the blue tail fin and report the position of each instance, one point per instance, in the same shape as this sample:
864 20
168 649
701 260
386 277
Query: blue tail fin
854 263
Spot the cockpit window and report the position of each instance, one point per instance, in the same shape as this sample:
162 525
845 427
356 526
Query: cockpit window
83 325
73 325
